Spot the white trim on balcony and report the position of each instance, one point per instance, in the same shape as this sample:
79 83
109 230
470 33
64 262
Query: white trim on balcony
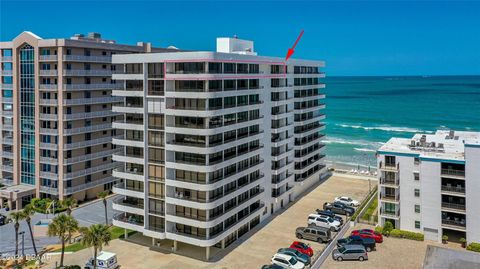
120 173
120 157
127 126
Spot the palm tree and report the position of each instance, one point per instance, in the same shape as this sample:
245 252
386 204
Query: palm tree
103 195
69 203
28 212
16 217
96 236
61 226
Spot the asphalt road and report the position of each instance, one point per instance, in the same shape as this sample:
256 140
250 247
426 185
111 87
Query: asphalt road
86 215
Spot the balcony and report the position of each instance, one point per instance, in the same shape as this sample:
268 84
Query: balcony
87 129
81 72
390 197
128 158
100 86
453 206
49 73
88 143
89 101
89 185
389 182
92 156
131 205
453 172
453 189
457 223
389 166
128 221
390 213
132 174
90 115
6 72
92 170
84 58
48 58
121 189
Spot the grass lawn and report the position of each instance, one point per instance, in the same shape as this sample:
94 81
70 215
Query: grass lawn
116 233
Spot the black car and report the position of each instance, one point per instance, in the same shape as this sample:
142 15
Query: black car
329 214
339 208
368 243
272 266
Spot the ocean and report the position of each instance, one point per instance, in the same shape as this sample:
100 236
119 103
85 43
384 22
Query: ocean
365 112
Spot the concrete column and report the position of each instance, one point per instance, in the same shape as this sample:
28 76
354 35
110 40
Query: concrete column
223 243
1 203
18 204
175 246
10 204
153 241
207 253
126 234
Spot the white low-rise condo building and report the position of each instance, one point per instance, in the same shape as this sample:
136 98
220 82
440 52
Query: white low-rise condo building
215 142
430 183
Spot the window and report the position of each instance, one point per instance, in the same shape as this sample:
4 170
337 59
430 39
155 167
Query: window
417 193
417 224
416 176
417 208
416 160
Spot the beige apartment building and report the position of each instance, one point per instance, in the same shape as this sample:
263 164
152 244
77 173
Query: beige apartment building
56 127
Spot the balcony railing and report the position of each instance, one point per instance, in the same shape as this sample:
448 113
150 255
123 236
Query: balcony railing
96 100
48 58
389 166
453 206
88 129
100 86
395 197
458 222
389 213
83 58
130 219
48 72
125 202
89 185
457 189
453 172
81 72
389 181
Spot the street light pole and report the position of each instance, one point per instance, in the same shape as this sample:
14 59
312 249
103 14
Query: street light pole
23 244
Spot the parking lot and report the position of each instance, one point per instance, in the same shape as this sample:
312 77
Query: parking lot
251 252
392 253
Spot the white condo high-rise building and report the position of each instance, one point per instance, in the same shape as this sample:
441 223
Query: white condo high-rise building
214 142
429 184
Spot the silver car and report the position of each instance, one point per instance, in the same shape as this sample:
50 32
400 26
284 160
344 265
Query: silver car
350 252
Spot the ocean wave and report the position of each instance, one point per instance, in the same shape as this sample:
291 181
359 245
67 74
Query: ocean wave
385 128
364 150
336 140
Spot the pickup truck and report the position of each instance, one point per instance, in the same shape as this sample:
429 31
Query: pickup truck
368 243
339 208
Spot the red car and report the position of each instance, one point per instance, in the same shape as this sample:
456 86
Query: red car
369 233
302 247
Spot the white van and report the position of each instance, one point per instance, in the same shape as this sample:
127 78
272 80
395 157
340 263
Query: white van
105 260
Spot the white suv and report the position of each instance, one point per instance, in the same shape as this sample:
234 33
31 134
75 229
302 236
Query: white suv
347 201
287 261
324 221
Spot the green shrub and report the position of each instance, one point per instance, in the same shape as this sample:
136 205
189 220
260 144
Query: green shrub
379 229
445 238
474 247
407 235
463 240
40 205
387 228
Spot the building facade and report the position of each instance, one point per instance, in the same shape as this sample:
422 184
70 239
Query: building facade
56 116
214 142
428 184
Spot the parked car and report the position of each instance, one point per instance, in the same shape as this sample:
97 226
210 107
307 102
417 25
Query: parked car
339 208
272 266
368 243
3 220
324 221
330 214
302 247
368 233
347 201
304 258
314 233
350 252
287 261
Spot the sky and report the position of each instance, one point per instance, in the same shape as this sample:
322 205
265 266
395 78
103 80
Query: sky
355 38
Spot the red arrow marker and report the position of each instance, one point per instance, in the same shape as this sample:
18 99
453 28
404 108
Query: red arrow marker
292 49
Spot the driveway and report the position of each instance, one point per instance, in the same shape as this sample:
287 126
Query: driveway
252 251
88 214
